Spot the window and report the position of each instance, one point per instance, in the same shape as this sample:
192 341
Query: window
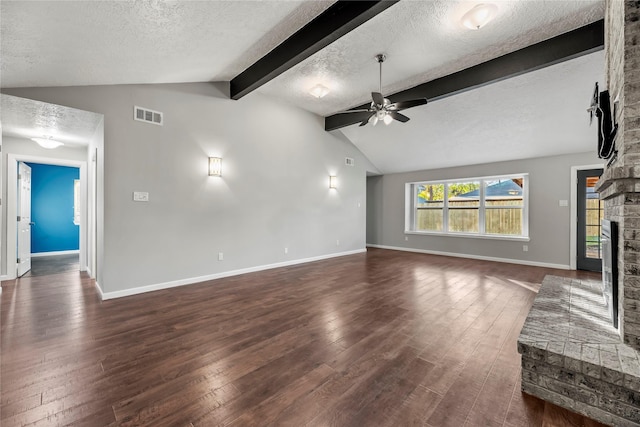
76 201
488 207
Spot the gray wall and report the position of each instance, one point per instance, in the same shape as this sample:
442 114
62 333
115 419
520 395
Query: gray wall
374 208
273 194
549 223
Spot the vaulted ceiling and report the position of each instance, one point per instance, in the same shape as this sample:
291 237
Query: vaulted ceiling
57 43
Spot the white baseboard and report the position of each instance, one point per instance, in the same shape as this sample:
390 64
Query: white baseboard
6 277
99 289
53 253
192 280
478 257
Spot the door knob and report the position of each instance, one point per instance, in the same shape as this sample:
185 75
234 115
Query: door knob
32 223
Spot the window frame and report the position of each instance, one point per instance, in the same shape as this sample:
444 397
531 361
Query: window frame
411 197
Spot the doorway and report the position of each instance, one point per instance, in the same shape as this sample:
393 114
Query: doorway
590 212
13 161
54 219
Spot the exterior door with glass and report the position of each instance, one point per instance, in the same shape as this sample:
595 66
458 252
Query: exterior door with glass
590 214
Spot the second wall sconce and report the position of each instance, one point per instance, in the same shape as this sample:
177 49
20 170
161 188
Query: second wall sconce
333 181
215 166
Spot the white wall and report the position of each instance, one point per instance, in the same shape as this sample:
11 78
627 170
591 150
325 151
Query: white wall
26 147
549 223
273 194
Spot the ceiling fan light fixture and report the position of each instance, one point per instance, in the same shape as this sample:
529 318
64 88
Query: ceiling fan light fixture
479 16
47 143
319 91
381 108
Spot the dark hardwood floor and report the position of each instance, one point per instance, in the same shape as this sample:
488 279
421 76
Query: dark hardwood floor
379 339
55 264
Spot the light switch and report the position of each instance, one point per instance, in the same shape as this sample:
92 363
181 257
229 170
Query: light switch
564 203
140 196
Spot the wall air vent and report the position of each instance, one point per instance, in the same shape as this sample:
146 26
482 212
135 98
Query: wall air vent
148 116
349 161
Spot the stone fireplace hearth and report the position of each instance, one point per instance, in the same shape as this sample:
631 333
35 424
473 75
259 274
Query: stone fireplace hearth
573 357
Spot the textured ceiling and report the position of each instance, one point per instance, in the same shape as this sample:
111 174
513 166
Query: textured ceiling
423 40
27 118
69 43
542 113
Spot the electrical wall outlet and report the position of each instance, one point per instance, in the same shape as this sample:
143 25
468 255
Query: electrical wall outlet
220 256
286 250
337 242
525 248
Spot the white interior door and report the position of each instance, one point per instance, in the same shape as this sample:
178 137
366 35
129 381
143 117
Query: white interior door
24 218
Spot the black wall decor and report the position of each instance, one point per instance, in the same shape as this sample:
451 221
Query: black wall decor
607 127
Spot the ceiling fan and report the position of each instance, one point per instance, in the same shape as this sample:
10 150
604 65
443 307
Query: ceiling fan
381 109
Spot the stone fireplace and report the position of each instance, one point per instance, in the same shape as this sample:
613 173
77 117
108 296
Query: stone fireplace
619 185
571 353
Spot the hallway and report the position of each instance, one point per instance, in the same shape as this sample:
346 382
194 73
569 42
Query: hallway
56 264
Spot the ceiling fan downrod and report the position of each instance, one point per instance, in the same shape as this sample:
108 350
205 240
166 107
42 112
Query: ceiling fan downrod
381 57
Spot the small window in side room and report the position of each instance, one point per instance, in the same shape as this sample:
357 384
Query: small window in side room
76 201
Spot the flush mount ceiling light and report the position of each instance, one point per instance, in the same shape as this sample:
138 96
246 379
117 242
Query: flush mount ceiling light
319 91
47 142
479 16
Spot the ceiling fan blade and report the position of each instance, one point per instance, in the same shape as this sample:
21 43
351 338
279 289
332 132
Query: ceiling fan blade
407 104
377 97
362 110
366 121
357 115
399 117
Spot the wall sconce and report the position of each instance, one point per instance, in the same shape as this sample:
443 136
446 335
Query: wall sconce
215 166
333 181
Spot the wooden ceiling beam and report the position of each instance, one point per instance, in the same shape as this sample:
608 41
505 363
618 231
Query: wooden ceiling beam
336 21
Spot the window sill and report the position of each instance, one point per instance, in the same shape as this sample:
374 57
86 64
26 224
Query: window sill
470 236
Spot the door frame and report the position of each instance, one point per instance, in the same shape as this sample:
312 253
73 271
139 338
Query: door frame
573 226
12 200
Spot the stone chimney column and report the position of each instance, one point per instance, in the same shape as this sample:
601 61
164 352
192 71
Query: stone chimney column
619 185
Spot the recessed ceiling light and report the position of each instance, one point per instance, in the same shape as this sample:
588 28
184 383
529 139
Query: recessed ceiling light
479 16
319 91
47 142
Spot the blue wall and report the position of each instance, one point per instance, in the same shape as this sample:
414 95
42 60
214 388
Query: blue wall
52 208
